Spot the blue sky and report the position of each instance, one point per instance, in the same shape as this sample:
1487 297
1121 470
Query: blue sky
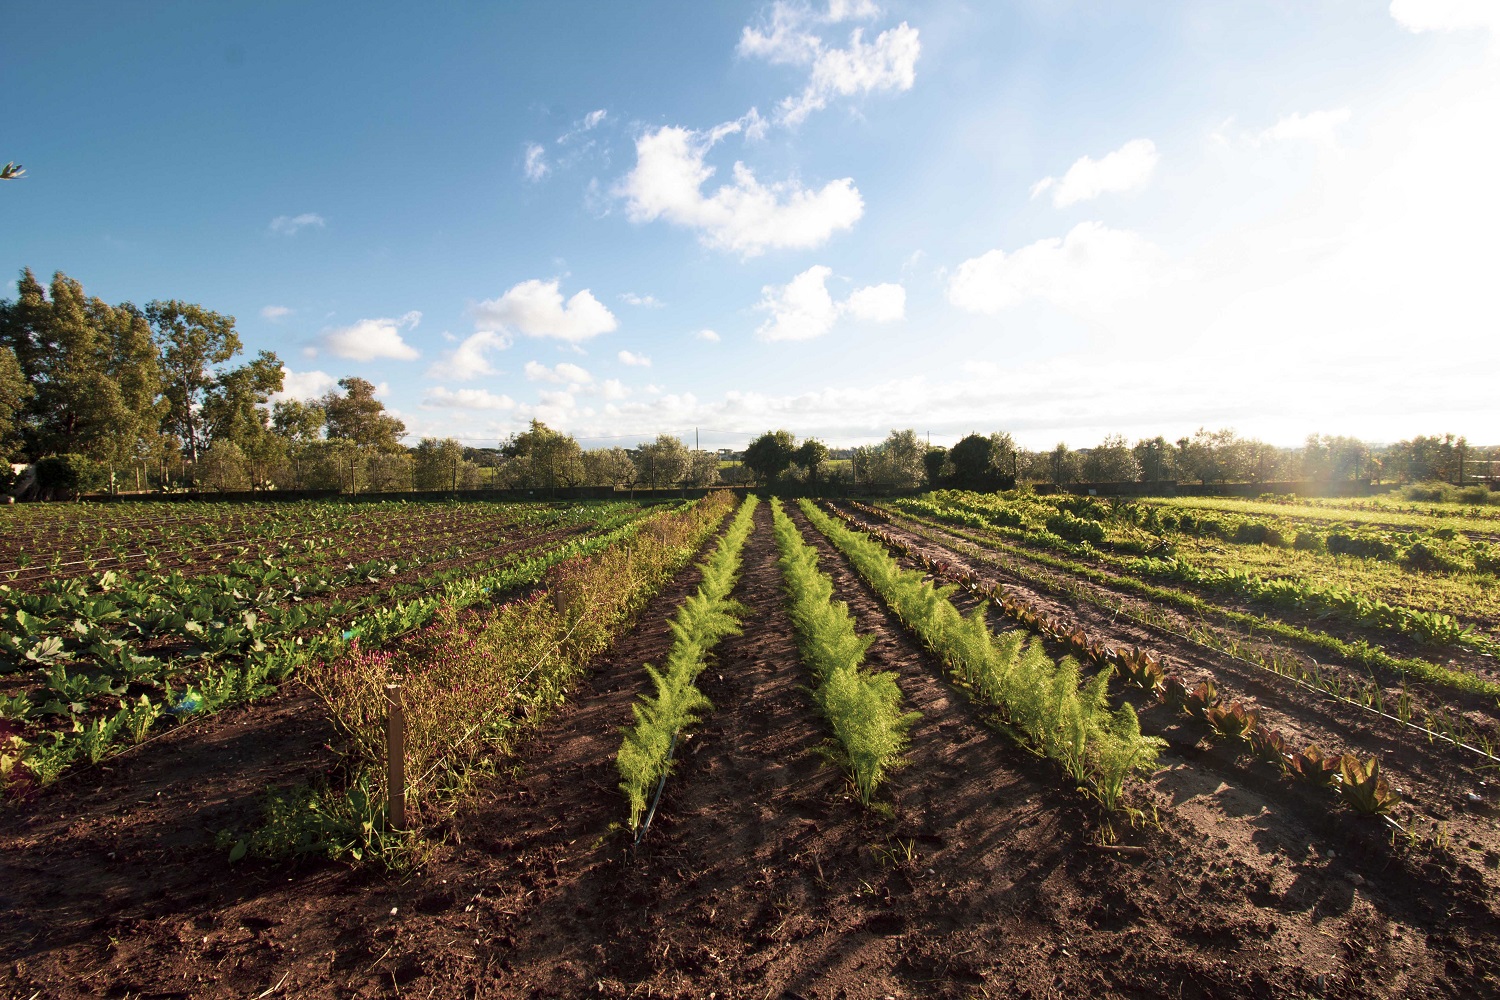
1061 219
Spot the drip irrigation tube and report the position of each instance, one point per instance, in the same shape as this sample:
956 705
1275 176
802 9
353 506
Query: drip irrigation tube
660 785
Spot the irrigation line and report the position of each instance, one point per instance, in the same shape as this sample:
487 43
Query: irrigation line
1119 610
662 784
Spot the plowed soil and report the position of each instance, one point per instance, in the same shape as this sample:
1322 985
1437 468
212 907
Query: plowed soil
980 874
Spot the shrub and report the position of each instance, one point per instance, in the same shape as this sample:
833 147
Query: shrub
1309 541
69 475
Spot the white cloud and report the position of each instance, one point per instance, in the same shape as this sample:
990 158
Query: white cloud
370 339
304 385
1091 269
803 309
887 64
878 303
535 308
631 358
467 399
563 372
786 37
712 336
613 389
644 301
1316 126
1446 15
594 118
288 225
275 313
536 162
1126 169
744 216
470 358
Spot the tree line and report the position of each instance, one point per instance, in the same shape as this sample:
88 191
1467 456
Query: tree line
159 397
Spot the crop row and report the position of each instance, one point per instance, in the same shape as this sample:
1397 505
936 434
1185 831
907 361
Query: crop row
239 652
1359 783
342 538
1041 700
1360 651
862 708
1073 580
473 679
704 618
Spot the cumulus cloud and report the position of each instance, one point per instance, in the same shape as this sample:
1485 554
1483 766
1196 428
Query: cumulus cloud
803 308
884 303
304 385
644 301
787 37
370 339
535 308
1090 269
535 164
1446 15
889 63
563 372
466 399
470 358
631 358
289 225
711 336
744 216
275 313
1126 169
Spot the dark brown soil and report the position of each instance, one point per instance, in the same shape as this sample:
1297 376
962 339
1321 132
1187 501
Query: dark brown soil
761 877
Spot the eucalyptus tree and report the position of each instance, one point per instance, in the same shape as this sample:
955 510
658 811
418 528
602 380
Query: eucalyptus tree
91 371
193 342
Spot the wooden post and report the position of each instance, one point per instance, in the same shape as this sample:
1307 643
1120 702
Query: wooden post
395 756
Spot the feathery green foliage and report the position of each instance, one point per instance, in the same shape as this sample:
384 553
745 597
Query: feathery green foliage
1039 698
707 616
864 709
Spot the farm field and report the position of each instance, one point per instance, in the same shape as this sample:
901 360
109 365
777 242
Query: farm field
958 745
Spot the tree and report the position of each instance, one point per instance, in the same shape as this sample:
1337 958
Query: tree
935 462
542 457
15 393
897 461
973 459
663 462
359 418
1063 464
703 469
608 467
437 464
811 456
771 454
1111 461
90 369
300 427
193 342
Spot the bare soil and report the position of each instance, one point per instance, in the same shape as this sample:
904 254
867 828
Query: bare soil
762 876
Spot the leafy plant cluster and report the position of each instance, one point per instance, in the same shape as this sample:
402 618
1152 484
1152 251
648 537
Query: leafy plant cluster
1296 594
1322 600
473 678
1359 783
862 708
704 618
217 640
1041 700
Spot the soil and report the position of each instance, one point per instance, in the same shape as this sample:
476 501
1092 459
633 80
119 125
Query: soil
980 874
